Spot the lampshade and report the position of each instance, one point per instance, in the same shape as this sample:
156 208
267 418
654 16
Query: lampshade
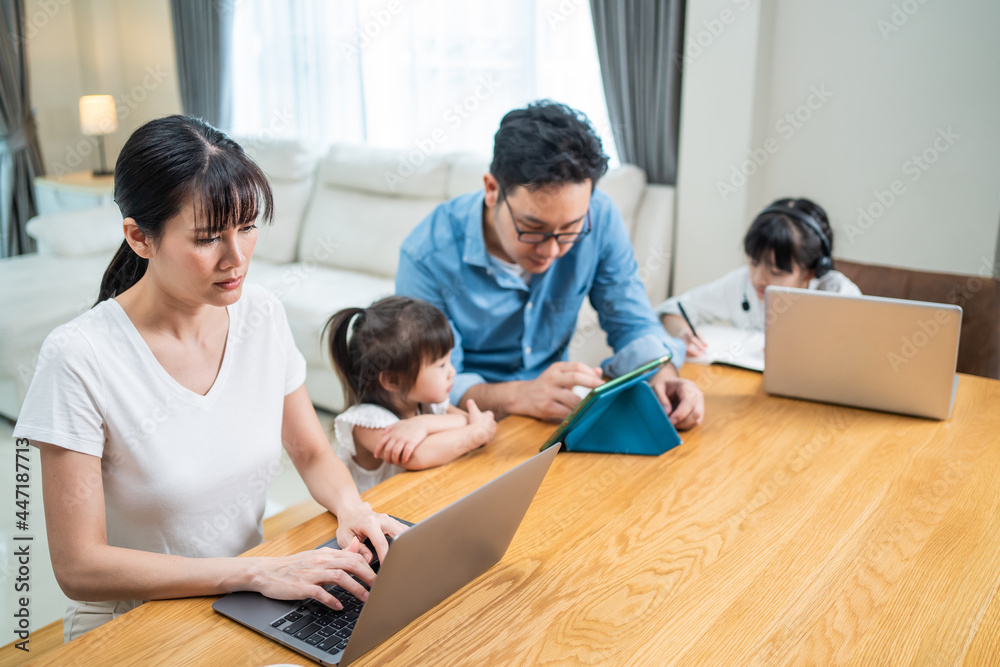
98 115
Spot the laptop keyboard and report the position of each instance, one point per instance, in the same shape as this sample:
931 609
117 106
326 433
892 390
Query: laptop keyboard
318 625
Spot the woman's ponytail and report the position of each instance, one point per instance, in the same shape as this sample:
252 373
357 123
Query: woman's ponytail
125 269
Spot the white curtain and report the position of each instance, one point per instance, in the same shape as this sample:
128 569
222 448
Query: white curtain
436 74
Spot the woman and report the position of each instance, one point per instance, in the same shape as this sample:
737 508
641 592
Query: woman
160 413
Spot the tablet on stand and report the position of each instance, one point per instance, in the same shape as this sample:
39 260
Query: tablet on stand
622 416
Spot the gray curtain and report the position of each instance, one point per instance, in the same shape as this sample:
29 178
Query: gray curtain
17 130
203 39
639 43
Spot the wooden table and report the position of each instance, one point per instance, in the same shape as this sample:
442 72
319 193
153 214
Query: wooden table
780 532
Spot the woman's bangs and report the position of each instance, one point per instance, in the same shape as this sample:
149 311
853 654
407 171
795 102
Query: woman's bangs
231 192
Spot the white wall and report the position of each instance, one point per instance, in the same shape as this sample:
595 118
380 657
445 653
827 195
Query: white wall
885 86
82 47
54 75
718 100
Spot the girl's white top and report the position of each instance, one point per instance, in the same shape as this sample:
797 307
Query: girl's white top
369 415
721 301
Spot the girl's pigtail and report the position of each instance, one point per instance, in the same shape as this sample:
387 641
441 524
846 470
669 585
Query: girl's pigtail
336 332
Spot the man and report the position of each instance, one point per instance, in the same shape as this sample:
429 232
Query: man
510 266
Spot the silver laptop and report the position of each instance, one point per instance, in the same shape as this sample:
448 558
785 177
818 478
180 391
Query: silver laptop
424 565
893 355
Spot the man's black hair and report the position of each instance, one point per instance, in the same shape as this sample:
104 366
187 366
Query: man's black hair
546 143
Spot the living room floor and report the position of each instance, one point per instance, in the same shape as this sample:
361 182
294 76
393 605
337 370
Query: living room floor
47 600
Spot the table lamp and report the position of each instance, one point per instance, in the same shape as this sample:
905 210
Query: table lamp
97 118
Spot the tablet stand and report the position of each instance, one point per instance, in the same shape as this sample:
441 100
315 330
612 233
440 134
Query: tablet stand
629 421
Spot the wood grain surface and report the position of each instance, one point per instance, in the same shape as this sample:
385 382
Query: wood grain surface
780 532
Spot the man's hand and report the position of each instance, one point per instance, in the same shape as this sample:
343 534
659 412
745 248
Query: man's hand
550 395
682 400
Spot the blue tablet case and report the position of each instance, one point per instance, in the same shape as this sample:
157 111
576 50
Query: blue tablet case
629 420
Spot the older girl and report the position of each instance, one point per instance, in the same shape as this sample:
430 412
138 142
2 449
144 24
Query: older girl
789 244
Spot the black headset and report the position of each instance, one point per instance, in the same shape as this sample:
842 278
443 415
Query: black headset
825 263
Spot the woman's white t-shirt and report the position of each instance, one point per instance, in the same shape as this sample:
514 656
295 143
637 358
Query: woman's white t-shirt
722 300
182 473
369 415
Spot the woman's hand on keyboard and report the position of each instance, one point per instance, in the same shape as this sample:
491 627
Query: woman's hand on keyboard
303 575
361 522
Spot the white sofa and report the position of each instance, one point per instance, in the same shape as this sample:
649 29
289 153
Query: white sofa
339 222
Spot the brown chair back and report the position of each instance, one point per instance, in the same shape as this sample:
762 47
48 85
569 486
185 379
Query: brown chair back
979 297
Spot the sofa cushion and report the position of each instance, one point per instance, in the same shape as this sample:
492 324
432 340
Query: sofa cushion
359 231
291 169
94 231
284 160
312 293
467 171
385 172
652 238
625 186
40 293
278 241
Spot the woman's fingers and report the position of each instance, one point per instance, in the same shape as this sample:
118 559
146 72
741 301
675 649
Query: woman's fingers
358 547
338 573
305 574
320 594
373 531
390 526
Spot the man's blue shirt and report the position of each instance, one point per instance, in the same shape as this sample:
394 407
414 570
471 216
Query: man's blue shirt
507 330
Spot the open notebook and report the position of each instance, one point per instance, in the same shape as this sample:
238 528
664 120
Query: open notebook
730 346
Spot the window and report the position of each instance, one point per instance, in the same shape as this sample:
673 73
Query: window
433 74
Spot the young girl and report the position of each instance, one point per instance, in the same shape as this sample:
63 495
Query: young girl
789 244
394 361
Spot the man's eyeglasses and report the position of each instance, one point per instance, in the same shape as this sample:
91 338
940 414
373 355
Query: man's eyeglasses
562 238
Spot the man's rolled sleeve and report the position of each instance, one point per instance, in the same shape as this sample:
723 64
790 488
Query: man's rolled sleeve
619 297
642 350
463 383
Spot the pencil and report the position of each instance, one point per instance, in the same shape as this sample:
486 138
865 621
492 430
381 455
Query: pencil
687 319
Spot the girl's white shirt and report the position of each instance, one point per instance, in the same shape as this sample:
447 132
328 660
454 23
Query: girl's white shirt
721 301
369 415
